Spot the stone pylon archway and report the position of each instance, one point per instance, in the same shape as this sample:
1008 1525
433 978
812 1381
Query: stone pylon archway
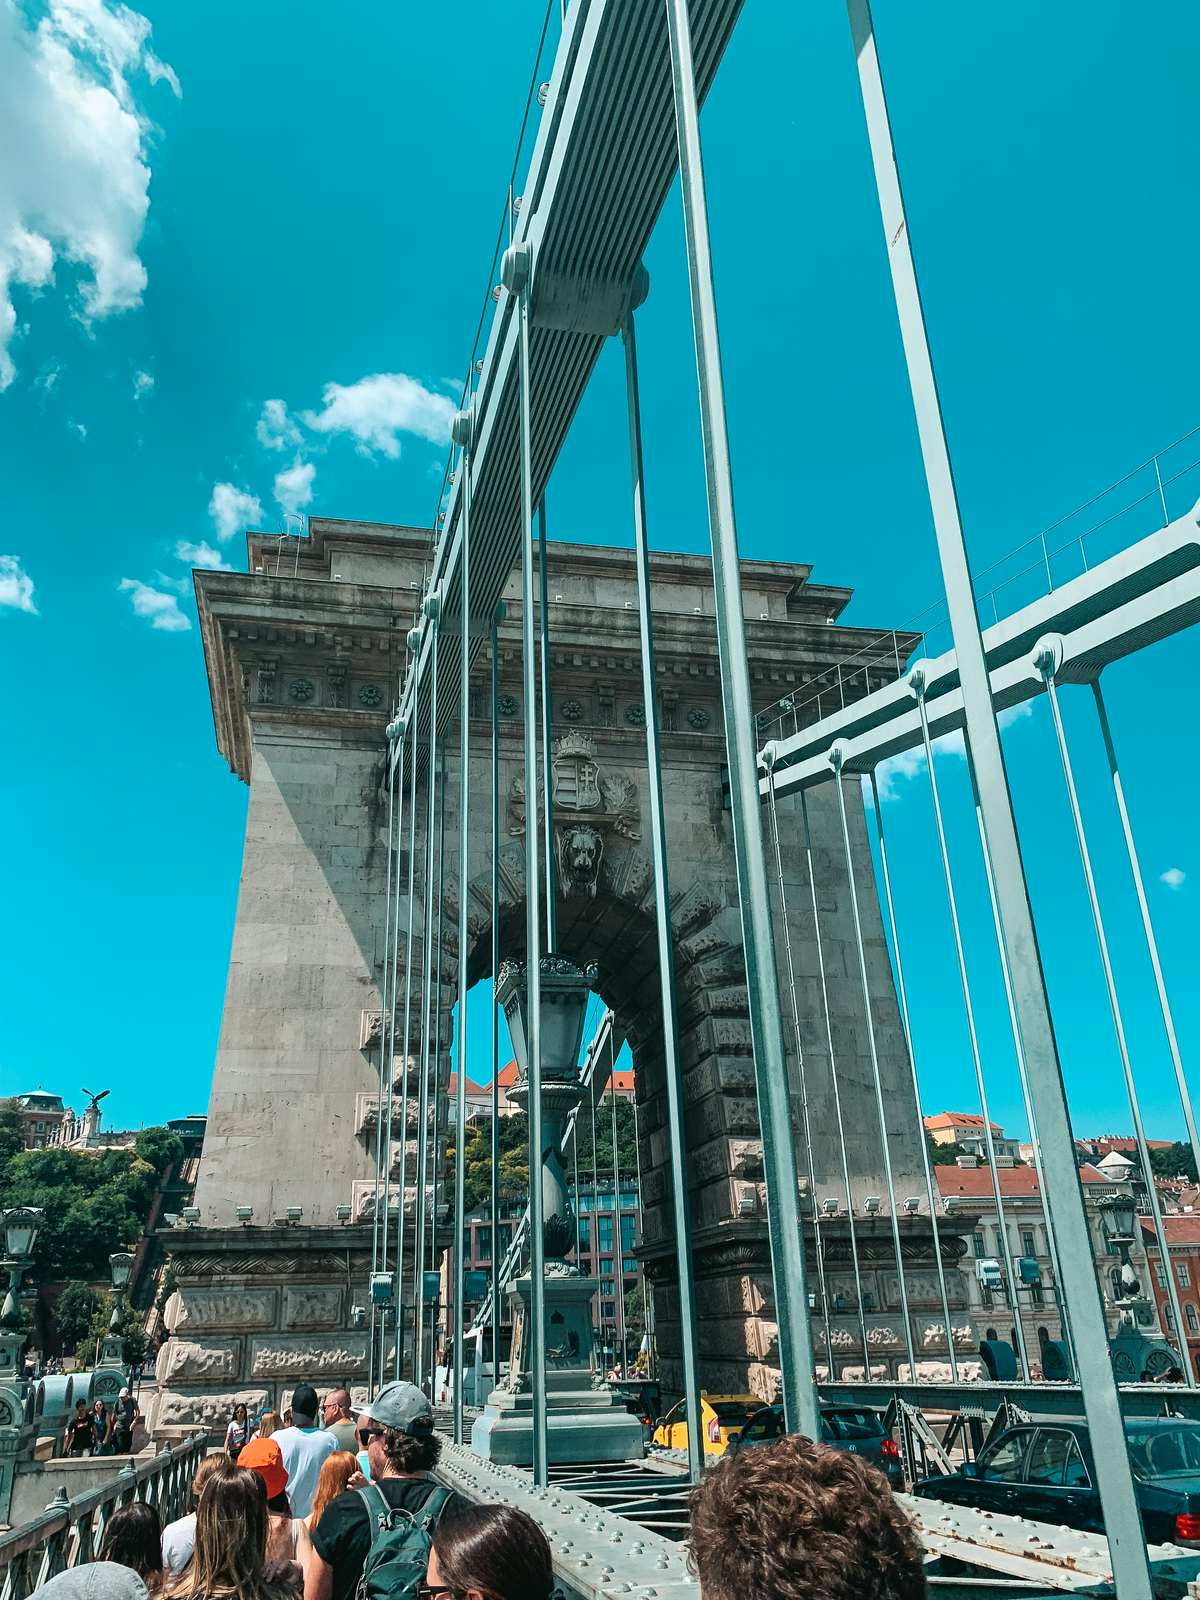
304 655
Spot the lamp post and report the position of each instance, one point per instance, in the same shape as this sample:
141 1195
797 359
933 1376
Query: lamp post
21 1225
585 1419
110 1374
1135 1356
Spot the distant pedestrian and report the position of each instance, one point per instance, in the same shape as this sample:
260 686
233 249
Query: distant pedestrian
335 1477
269 1423
493 1551
237 1434
230 1558
179 1537
126 1416
335 1415
101 1429
80 1434
359 1535
287 1536
304 1448
133 1538
793 1520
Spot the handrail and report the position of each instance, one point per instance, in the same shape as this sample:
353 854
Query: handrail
70 1531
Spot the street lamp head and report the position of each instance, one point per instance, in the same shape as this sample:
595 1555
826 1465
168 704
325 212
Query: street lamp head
119 1264
1119 1212
565 988
21 1225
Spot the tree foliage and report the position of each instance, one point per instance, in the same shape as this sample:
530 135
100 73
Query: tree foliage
1175 1161
627 1154
92 1202
74 1310
514 1152
131 1329
12 1133
160 1147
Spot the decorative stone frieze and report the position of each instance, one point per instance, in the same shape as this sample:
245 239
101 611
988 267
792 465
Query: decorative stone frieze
312 1306
199 1361
317 1355
191 1309
211 1409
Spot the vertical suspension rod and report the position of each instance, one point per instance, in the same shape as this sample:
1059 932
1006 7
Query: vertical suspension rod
1064 1201
918 685
618 1244
381 1176
401 1228
916 1083
668 998
1135 868
435 1060
766 1030
836 758
494 1175
515 273
837 1098
547 751
1045 659
460 1098
432 608
769 757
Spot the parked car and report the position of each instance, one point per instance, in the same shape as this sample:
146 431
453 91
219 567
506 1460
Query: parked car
1044 1469
858 1429
722 1418
643 1400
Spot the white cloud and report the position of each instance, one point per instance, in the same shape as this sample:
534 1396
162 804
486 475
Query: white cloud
232 509
78 192
201 555
143 382
293 487
78 427
1173 877
891 775
275 428
16 586
376 410
160 608
48 377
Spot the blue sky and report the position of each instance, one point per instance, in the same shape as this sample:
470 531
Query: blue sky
265 203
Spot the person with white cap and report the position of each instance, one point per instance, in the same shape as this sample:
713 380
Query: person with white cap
396 1431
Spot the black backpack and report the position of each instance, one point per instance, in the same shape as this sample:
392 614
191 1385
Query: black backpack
400 1543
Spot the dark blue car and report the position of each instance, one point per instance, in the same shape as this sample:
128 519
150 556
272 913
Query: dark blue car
857 1429
1044 1469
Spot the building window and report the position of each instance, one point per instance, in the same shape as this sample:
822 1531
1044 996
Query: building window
1037 1294
1168 1317
606 1264
629 1233
631 1264
979 1245
1160 1272
629 1199
483 1243
504 1234
605 1226
1193 1320
608 1310
1184 1273
585 1233
608 1286
1027 1245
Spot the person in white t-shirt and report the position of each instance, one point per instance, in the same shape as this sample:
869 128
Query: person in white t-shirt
179 1538
304 1448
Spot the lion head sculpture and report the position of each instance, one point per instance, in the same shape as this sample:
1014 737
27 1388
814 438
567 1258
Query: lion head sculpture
580 852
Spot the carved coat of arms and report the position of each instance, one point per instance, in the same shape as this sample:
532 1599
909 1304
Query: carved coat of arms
589 804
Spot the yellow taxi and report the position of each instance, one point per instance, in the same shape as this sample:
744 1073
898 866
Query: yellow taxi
722 1418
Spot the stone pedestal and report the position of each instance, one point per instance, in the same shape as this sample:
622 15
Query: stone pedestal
257 1311
585 1420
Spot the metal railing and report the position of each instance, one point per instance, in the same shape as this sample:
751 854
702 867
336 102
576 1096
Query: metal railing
69 1532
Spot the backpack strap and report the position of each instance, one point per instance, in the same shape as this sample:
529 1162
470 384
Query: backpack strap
432 1509
379 1511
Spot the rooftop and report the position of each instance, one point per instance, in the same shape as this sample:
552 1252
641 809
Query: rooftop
959 1119
976 1182
1179 1230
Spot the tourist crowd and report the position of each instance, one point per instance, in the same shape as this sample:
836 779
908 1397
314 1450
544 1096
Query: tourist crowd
351 1511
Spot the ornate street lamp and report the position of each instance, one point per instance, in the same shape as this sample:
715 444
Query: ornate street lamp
21 1224
112 1351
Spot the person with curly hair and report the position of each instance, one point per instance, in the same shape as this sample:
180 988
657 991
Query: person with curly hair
793 1520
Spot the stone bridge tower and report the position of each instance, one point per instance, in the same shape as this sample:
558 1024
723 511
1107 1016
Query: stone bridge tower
304 654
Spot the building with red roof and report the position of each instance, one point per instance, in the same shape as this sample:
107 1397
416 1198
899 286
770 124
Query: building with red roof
1183 1250
965 1129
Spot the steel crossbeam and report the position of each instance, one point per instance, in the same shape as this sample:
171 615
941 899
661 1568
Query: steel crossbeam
1141 595
601 168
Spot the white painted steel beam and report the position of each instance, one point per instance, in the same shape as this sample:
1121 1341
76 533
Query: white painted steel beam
1141 595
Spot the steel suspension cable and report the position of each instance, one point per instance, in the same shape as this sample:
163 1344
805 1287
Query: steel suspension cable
912 1061
381 1183
641 1235
435 1070
875 1077
1019 1049
805 1108
1047 664
1135 867
388 1049
837 1095
432 609
494 1141
547 749
408 1052
917 683
618 1240
464 791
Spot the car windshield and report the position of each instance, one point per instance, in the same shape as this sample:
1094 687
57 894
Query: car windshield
732 1410
1165 1452
852 1424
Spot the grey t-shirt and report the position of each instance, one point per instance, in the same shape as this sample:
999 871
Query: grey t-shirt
344 1433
